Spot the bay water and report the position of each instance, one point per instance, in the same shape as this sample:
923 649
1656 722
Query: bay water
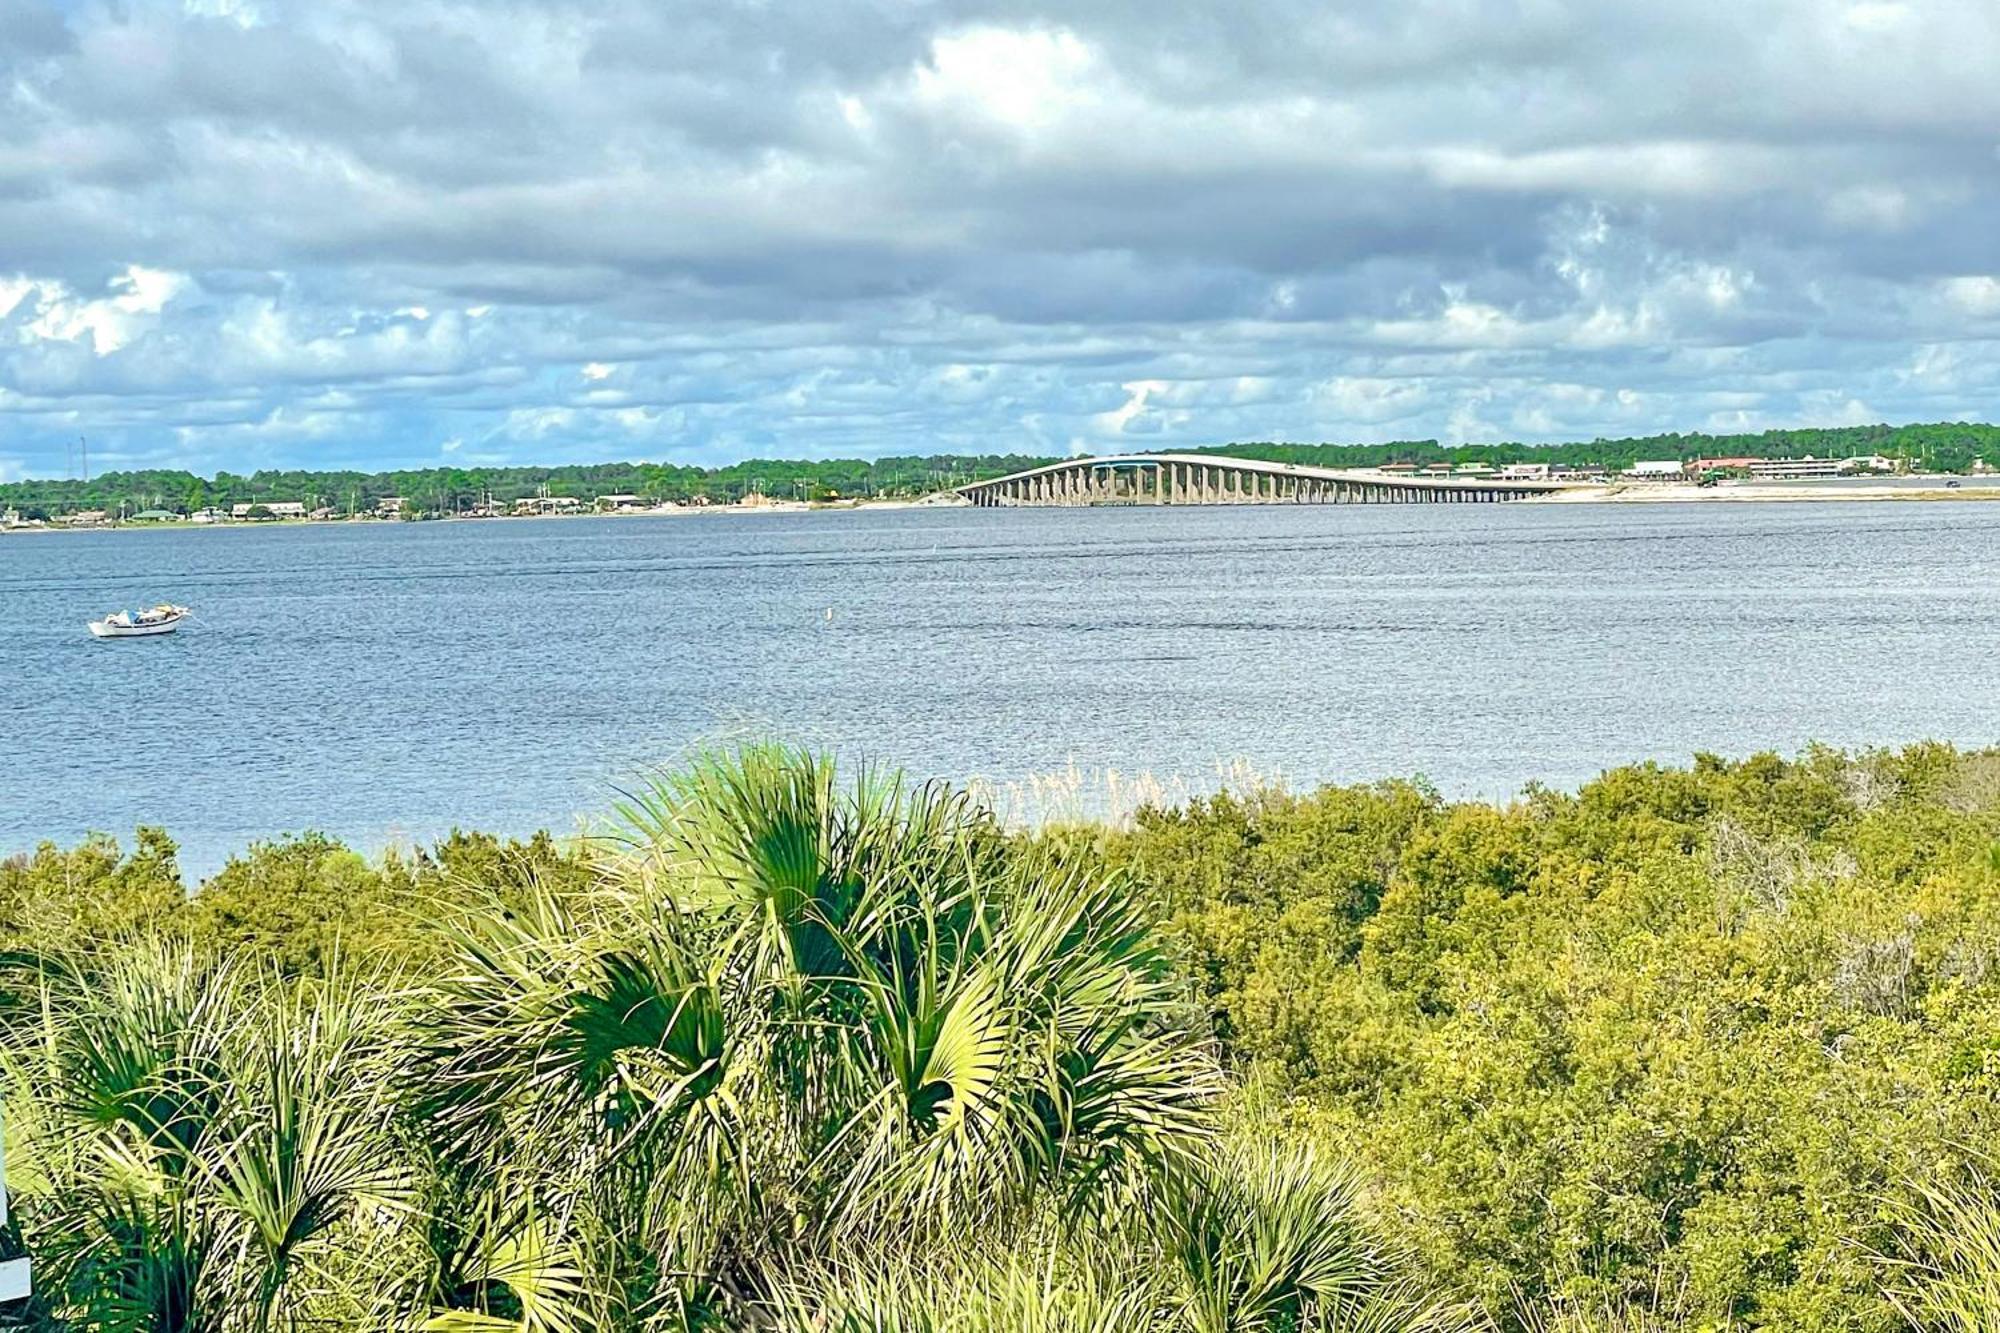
385 682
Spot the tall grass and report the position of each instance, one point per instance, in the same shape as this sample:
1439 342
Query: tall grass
1948 1269
1108 796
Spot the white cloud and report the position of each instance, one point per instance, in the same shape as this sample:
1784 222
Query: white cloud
1120 419
1021 79
110 322
1974 294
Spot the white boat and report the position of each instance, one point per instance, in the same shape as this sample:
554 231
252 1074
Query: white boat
161 619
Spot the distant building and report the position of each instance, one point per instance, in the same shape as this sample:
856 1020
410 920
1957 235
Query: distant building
1658 469
155 516
1525 472
389 504
1703 466
1794 469
547 504
86 518
619 502
207 516
1398 469
275 508
1473 470
1578 472
1437 469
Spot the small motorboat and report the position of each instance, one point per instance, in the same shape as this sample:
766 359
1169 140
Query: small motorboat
162 619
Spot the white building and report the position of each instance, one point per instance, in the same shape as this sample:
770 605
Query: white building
1794 469
1525 472
276 508
547 504
1658 469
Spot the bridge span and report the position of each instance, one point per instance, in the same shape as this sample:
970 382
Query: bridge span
1184 479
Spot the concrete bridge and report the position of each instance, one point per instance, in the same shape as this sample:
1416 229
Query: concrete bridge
1204 479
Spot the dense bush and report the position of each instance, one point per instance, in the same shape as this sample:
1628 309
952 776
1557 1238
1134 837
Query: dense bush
1672 1046
1691 1049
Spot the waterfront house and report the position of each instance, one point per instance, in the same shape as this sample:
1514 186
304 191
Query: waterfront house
615 502
155 516
1701 467
1655 469
1475 470
208 516
86 518
1437 470
389 506
1398 469
275 508
1525 472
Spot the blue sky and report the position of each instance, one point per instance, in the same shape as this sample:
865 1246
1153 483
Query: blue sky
246 233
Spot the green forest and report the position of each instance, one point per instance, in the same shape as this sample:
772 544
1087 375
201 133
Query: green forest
1945 447
454 489
1950 446
785 1047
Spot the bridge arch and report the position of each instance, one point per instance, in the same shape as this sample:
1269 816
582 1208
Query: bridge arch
1181 479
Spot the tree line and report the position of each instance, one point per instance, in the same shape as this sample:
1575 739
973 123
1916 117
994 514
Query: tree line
1946 446
453 489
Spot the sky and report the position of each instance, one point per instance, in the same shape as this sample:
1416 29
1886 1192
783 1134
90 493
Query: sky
257 233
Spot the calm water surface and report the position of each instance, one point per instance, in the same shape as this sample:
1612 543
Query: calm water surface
392 680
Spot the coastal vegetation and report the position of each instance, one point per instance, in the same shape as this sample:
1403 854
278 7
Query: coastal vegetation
1695 1049
1950 446
1946 447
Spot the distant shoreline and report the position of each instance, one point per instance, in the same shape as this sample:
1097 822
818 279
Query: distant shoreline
1794 492
1797 492
684 511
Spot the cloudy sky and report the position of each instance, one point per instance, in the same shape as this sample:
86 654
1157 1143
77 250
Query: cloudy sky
243 233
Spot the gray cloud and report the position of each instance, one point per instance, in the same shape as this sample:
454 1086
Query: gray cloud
244 231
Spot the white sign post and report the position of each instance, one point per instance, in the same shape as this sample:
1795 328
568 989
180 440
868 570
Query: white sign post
13 1272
